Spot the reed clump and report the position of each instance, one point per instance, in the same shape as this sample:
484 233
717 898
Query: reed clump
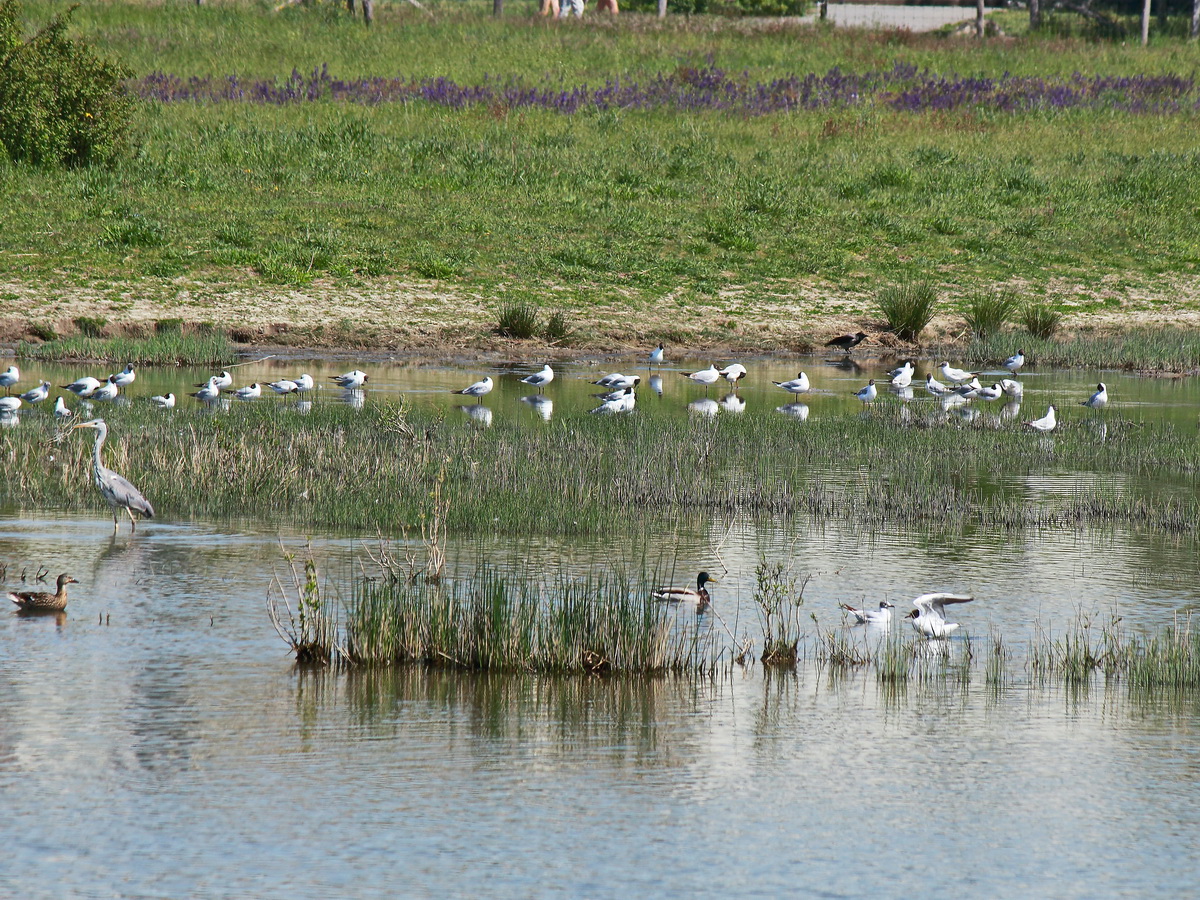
164 348
311 629
988 312
1139 349
908 307
779 596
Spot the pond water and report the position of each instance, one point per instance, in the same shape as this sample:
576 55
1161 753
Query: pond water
156 741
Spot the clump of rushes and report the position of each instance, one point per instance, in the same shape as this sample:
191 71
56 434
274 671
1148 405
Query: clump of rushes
165 348
779 594
1040 320
311 630
518 320
558 327
989 311
907 308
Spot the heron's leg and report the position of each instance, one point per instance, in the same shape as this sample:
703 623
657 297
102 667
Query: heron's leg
116 522
132 520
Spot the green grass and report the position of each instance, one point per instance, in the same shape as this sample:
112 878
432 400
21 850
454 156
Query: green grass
644 206
265 462
989 311
1141 349
907 308
167 347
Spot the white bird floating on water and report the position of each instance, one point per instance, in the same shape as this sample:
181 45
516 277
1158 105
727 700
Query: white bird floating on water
223 380
706 377
37 394
125 377
478 389
867 394
1098 400
995 392
107 391
1046 423
929 617
84 387
351 381
1015 361
208 392
698 594
284 386
61 411
657 355
253 392
540 379
798 385
167 402
957 376
9 377
881 616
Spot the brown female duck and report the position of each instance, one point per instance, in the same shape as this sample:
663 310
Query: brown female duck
36 601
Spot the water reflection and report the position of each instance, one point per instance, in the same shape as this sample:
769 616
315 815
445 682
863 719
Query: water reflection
542 405
795 410
704 407
478 413
732 403
355 399
656 384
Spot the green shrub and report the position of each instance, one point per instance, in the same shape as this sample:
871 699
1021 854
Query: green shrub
907 307
518 320
60 102
90 326
1040 320
989 311
558 326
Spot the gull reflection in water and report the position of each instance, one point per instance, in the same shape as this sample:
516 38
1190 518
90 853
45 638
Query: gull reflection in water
795 410
478 413
656 384
541 404
704 407
352 398
732 403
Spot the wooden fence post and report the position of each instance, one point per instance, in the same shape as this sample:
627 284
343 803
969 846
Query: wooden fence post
1145 22
979 23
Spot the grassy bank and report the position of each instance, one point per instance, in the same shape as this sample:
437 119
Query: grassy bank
169 347
703 224
387 469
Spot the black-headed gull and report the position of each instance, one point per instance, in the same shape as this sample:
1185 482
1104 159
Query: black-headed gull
867 394
1098 399
619 382
284 386
957 376
107 391
934 386
929 617
733 373
881 616
37 394
304 383
253 392
478 389
1046 423
1015 361
163 402
351 381
706 377
84 387
540 379
657 355
1012 388
905 370
223 380
209 391
61 410
125 377
9 377
798 385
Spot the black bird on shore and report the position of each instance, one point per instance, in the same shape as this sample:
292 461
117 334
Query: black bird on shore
847 342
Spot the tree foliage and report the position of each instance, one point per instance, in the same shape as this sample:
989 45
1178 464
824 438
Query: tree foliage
61 103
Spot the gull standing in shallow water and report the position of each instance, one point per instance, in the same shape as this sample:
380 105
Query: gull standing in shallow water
733 373
253 392
223 380
1098 400
707 377
284 386
61 411
929 617
208 392
957 376
351 381
125 377
1015 361
657 356
106 391
1046 423
867 394
304 383
540 379
478 389
798 385
8 378
119 493
37 394
84 387
881 616
934 386
167 402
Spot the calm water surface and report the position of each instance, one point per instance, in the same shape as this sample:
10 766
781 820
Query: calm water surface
158 742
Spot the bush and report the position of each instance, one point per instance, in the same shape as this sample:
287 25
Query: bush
907 307
60 102
988 312
1040 320
558 327
517 320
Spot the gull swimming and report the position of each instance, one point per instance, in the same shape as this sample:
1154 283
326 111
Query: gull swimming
478 389
881 616
867 394
167 402
37 394
351 381
1046 423
1015 361
798 385
958 376
1098 400
84 387
540 379
929 617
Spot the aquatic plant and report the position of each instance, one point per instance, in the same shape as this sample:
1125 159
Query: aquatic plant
1141 349
778 596
907 307
311 630
164 348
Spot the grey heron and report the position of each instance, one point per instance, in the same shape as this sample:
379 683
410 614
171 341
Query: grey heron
119 493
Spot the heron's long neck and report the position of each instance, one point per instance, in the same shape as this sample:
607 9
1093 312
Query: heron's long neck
100 437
